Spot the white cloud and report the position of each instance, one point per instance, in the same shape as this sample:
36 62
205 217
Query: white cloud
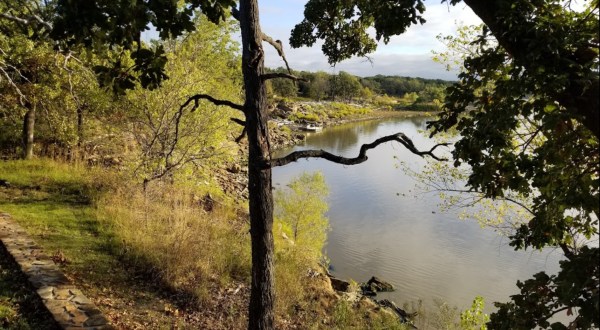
406 55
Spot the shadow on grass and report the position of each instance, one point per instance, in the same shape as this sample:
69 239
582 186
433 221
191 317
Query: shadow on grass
20 306
64 222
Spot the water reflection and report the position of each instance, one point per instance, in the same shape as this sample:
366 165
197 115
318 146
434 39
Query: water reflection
380 227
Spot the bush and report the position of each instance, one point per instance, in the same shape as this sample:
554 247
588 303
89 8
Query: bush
300 232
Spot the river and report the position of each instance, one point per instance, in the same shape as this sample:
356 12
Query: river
381 226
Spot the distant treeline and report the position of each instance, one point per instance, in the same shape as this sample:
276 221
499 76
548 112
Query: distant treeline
344 86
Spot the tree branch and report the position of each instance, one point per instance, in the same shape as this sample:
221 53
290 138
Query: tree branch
279 47
362 155
238 121
273 75
196 98
24 21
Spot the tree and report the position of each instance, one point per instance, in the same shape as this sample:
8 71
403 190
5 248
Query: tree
24 67
302 209
319 86
283 87
121 24
171 142
539 82
345 86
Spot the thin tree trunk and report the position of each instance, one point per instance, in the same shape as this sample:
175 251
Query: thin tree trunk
261 309
79 126
28 131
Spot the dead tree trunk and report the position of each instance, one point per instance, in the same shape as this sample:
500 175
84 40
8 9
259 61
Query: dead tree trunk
28 131
261 311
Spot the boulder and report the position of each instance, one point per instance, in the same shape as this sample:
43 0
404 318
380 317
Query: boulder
340 285
376 284
404 316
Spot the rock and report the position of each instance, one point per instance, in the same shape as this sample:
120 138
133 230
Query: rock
376 284
340 285
402 314
368 293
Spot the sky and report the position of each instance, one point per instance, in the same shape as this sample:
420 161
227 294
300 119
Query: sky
406 55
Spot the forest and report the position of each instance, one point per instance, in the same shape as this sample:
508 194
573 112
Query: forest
144 167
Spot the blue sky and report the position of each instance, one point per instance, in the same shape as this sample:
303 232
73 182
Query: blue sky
405 55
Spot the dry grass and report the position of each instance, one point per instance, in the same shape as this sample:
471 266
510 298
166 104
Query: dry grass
165 233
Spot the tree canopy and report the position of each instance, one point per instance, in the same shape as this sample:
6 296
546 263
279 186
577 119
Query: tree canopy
526 108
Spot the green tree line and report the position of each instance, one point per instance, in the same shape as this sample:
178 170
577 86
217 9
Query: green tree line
344 86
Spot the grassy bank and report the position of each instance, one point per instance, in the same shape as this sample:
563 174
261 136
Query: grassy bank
166 257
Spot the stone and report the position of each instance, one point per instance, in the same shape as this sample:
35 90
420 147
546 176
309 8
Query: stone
78 317
62 294
67 304
376 284
81 300
46 292
340 285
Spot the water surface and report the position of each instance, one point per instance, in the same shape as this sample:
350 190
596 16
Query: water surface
381 226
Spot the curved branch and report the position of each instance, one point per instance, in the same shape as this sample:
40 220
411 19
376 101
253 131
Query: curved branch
279 47
196 98
267 76
362 155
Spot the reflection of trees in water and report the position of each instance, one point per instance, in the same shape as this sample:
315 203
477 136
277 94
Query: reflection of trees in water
419 123
335 139
339 139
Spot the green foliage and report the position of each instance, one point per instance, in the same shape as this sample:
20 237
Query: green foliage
458 47
174 141
574 289
341 110
121 26
401 86
344 28
474 318
520 139
300 211
345 86
282 87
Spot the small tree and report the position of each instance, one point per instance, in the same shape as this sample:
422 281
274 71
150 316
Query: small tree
301 209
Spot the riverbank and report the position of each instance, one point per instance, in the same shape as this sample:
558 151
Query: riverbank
289 119
167 257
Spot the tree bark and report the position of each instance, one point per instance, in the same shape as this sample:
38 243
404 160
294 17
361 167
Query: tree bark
79 126
28 131
261 311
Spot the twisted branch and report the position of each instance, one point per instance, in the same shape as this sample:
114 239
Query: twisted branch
196 98
362 155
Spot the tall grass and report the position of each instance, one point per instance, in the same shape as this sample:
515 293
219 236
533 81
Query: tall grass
166 234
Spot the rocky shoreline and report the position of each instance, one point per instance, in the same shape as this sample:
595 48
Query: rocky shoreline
366 293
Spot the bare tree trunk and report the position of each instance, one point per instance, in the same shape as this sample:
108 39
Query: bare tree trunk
261 311
79 126
28 130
